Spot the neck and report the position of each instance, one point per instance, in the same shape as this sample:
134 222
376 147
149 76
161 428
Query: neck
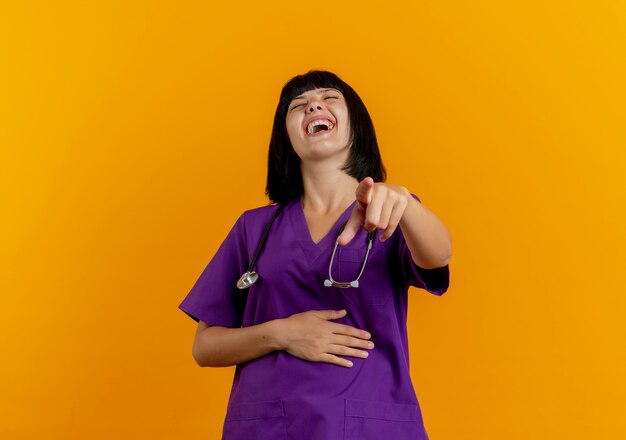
326 189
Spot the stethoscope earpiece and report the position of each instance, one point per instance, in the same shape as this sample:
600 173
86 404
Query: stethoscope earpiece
330 282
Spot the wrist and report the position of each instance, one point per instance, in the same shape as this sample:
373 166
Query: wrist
274 334
411 212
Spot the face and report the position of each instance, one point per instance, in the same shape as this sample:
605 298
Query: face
318 124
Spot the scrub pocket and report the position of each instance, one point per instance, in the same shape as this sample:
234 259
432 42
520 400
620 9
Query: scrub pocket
370 420
255 421
350 263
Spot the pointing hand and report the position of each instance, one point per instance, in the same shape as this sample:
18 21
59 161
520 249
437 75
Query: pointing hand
378 206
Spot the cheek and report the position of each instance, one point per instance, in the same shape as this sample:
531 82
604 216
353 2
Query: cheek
291 134
292 127
294 137
345 129
343 115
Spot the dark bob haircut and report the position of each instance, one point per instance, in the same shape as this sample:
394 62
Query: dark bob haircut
284 178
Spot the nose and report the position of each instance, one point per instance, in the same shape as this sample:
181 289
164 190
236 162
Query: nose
314 105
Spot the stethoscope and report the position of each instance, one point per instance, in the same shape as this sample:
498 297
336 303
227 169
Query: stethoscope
250 276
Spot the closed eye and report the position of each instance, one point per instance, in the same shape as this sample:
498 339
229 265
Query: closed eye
300 105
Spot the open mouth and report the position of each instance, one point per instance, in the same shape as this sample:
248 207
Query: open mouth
319 126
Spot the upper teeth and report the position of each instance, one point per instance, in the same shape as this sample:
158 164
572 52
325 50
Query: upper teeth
326 122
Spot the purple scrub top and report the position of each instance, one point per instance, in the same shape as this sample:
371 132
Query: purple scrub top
279 396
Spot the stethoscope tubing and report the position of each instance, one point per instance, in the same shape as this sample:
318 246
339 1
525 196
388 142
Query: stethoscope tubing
259 247
250 277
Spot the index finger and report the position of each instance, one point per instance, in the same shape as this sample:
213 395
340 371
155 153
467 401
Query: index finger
363 191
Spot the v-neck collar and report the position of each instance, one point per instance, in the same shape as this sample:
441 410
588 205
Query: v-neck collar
311 249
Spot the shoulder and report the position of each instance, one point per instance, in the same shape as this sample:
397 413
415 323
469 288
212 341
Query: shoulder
259 214
260 211
253 221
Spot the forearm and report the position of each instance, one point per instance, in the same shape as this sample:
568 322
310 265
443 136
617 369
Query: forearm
426 236
222 347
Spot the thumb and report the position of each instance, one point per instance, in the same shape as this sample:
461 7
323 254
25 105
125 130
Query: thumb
352 227
363 195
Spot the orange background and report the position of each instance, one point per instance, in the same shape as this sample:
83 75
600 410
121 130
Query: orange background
134 133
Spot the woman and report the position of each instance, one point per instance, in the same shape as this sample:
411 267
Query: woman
316 360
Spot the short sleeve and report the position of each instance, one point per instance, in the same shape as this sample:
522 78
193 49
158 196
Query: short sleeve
435 281
215 298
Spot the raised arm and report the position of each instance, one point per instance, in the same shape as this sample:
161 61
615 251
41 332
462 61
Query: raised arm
385 206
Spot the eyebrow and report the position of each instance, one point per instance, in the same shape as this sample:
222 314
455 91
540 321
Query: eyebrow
319 91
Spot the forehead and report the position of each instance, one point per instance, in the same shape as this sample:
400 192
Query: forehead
308 93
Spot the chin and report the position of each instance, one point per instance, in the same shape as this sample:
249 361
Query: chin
321 152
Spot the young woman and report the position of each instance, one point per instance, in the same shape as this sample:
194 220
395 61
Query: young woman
320 340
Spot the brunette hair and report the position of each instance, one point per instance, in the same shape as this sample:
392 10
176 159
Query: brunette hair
284 179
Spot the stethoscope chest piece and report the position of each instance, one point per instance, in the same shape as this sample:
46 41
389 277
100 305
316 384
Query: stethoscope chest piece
250 276
247 279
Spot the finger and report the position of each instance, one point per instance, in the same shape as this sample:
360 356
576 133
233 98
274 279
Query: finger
352 227
331 314
342 329
394 221
349 341
372 214
347 351
385 214
332 359
364 190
